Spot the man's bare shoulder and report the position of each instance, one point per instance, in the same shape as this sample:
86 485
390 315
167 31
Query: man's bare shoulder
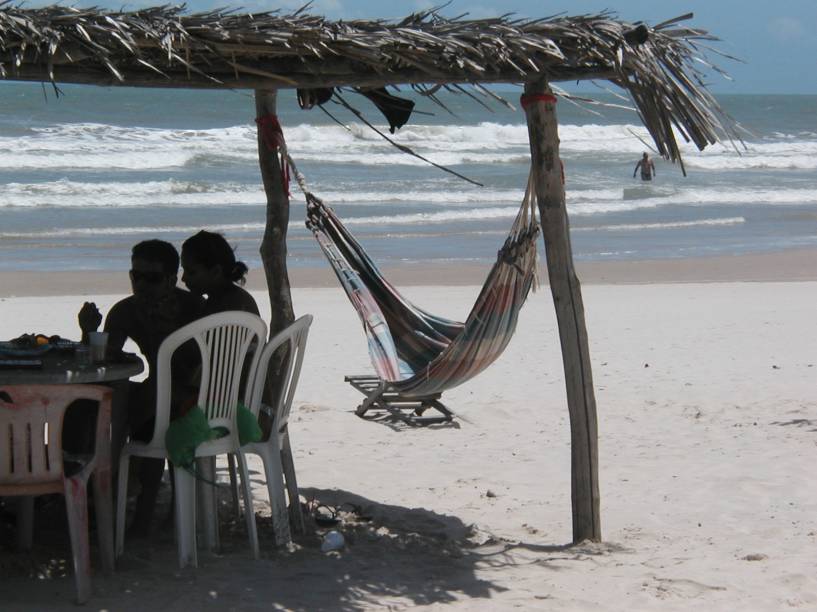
125 305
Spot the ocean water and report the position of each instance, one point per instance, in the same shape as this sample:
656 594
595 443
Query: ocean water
86 175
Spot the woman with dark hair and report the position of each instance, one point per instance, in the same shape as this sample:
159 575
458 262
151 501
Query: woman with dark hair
210 269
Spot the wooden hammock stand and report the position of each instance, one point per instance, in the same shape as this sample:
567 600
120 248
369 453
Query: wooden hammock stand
384 401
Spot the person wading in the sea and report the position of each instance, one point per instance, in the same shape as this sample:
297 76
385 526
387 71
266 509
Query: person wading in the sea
647 168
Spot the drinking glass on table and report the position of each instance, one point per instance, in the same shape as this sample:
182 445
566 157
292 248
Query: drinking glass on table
82 355
98 343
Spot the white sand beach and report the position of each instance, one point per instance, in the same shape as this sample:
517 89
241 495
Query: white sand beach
707 407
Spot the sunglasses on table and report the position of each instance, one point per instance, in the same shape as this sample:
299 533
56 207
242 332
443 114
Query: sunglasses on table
151 278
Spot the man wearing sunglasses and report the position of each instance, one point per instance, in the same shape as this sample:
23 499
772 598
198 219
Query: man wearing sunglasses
156 309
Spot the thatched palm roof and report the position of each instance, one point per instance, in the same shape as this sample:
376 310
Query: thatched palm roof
163 47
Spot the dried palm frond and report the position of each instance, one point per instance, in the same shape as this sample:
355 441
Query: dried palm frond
165 47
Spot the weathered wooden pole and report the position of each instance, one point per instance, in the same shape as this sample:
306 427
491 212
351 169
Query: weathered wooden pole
274 256
543 132
274 244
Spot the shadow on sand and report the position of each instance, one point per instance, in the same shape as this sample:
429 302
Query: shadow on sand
394 557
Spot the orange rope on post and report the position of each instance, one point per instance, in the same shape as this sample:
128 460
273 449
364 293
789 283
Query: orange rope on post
273 136
527 100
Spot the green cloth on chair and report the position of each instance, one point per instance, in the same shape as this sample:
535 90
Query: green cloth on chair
248 428
186 433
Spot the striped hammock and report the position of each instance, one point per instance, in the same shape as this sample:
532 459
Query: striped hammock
415 352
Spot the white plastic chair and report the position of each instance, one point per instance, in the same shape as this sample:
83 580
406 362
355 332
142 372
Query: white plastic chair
275 451
32 463
225 341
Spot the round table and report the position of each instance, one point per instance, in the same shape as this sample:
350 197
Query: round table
60 367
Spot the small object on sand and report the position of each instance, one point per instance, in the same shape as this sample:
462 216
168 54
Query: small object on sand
333 541
325 516
490 493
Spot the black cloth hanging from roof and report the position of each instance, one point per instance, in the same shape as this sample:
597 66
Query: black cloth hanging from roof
397 111
307 98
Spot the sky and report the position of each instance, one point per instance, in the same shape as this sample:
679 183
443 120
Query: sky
777 40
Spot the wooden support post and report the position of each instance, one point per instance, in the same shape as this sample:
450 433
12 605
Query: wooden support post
543 133
274 244
274 255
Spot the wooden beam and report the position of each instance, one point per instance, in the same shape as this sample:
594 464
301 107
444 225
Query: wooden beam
181 79
540 105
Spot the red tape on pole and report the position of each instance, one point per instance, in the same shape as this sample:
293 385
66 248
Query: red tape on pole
529 99
271 131
273 137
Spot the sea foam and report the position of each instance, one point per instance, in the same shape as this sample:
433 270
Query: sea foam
97 146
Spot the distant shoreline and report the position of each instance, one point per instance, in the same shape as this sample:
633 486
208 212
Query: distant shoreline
793 265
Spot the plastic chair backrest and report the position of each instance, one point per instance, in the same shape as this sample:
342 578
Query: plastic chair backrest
294 338
224 340
31 418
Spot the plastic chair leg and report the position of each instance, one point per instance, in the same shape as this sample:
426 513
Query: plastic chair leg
76 507
25 522
233 483
274 472
207 496
104 517
249 512
185 518
121 502
296 517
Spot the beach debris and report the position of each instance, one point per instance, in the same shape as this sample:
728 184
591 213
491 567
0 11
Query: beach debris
477 536
490 493
313 408
755 557
333 540
326 516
